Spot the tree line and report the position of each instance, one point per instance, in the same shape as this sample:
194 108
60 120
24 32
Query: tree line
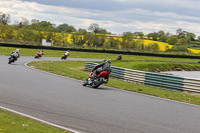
94 36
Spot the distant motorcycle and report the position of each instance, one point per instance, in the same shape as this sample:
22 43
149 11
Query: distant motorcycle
13 57
64 57
98 80
37 56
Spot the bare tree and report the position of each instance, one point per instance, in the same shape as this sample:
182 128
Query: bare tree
24 21
94 28
4 18
178 31
34 21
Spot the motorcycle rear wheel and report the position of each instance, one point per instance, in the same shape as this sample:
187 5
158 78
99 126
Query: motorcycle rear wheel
97 82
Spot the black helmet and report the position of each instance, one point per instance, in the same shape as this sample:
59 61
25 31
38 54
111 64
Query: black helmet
108 61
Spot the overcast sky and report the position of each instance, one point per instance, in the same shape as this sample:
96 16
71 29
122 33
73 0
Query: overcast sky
116 16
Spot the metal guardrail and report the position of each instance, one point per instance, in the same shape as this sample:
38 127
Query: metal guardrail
152 79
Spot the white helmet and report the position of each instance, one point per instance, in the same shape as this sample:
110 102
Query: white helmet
17 50
108 61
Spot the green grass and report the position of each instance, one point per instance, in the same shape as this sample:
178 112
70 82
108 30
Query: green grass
75 69
102 48
12 123
156 66
57 53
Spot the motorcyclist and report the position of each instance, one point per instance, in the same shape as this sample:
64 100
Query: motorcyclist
67 53
119 57
15 54
105 67
40 53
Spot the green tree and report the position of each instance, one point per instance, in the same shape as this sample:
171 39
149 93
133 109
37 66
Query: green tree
152 47
102 31
45 26
199 38
179 47
161 33
127 39
153 35
172 40
115 43
6 31
163 38
182 41
25 35
141 35
82 31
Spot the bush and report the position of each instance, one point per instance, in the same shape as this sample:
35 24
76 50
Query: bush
179 48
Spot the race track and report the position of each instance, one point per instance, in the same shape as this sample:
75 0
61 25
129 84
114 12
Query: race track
66 102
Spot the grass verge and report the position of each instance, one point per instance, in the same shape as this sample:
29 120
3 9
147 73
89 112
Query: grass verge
156 66
75 69
12 123
73 54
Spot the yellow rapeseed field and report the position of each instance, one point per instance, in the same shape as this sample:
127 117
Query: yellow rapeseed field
194 51
67 38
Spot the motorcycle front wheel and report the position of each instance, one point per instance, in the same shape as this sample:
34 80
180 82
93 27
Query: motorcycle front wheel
11 60
84 83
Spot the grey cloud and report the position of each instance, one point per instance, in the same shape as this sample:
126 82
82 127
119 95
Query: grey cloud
117 15
186 7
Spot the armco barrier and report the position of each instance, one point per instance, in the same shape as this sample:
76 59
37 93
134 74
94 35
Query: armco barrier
152 79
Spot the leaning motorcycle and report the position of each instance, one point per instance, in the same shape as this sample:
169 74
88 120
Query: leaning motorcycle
13 57
37 56
64 57
98 80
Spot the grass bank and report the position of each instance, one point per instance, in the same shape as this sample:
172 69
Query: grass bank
12 123
156 66
75 69
73 54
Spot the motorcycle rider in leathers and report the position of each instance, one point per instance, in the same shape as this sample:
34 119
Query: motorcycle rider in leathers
15 54
67 53
105 67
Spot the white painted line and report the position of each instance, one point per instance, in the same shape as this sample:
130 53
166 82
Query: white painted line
42 121
50 72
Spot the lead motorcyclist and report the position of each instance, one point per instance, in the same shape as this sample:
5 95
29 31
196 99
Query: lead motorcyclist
15 54
67 53
105 67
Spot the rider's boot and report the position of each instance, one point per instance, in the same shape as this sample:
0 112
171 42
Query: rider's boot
105 81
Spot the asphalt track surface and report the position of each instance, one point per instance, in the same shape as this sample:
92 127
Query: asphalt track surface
66 102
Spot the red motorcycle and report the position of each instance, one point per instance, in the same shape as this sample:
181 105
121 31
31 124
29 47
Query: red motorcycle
99 79
39 55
